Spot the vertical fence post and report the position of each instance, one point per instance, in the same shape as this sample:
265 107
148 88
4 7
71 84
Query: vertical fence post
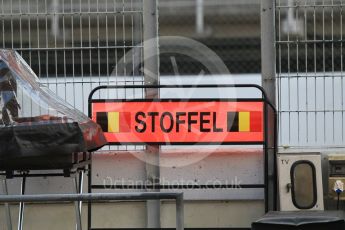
268 53
268 68
199 17
7 206
151 77
179 212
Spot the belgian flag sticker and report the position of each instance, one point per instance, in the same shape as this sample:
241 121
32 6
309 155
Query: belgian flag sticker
244 121
114 122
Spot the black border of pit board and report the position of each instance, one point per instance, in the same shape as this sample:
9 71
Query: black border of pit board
267 104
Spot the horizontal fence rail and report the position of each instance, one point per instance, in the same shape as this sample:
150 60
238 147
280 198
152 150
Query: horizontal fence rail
103 197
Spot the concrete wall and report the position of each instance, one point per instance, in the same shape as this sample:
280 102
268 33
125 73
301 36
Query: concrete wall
211 207
132 215
203 208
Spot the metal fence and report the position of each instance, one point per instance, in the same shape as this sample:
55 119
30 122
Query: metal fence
310 72
88 197
229 28
75 46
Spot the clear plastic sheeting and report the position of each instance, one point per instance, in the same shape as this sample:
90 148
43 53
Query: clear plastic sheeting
34 121
27 97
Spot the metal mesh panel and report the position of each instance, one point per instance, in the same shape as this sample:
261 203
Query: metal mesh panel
310 72
74 46
229 28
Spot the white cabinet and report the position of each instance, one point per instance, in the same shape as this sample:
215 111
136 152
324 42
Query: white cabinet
300 181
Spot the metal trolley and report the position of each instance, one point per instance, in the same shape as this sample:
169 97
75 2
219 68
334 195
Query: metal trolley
72 166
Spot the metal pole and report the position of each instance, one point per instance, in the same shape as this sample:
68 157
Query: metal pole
78 178
81 182
151 77
21 204
268 54
89 197
55 31
199 14
89 190
137 39
268 68
7 206
77 203
179 212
